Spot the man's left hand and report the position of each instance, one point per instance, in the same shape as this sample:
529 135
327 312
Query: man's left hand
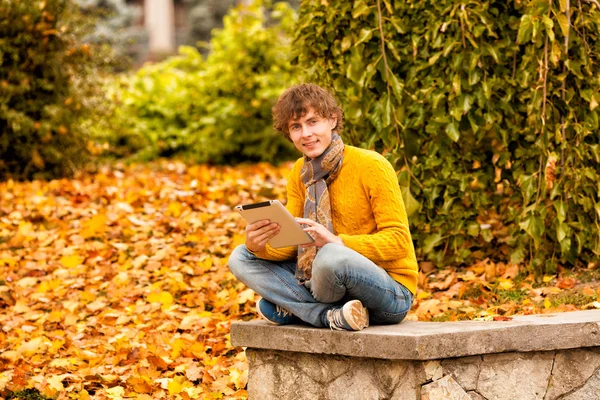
319 233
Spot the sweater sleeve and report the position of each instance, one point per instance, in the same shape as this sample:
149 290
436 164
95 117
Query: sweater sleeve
295 205
391 240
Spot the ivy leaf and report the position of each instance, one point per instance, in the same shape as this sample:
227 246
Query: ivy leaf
492 52
525 29
563 22
387 111
397 86
473 229
561 231
346 43
364 36
561 213
431 241
563 5
452 131
411 204
360 8
549 24
534 226
467 102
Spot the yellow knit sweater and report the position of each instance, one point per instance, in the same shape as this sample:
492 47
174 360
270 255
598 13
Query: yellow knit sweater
367 211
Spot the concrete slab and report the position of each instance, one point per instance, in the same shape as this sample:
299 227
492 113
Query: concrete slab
412 340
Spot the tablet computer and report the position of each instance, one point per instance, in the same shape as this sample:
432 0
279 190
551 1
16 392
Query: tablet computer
291 232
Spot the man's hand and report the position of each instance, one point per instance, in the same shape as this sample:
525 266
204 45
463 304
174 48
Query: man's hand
318 232
259 233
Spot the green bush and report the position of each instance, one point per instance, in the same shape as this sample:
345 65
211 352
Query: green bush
45 80
217 109
488 110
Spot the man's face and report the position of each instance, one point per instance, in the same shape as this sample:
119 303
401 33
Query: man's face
311 133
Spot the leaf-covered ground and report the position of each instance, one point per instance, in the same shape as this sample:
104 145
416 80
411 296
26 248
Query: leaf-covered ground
115 284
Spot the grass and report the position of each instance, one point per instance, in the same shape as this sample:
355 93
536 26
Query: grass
27 394
571 297
516 295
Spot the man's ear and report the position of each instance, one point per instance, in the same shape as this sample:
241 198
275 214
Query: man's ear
333 122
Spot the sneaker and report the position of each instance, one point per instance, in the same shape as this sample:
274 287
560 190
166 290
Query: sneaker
273 313
352 316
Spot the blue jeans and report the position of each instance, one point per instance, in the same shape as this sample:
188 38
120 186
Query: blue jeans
339 274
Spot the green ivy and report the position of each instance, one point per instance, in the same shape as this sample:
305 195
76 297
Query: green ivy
216 109
488 109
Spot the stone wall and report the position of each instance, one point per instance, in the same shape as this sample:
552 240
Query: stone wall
541 357
543 375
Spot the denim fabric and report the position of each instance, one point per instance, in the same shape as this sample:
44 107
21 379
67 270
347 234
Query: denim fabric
339 275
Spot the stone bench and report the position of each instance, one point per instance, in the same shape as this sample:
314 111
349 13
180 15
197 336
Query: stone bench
545 357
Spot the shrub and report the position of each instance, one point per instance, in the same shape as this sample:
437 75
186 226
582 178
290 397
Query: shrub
46 76
216 109
488 110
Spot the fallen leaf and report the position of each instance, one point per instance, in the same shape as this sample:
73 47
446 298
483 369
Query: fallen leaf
566 283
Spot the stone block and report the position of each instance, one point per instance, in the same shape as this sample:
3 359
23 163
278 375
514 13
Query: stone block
475 396
445 388
324 370
412 340
510 376
408 377
271 381
572 369
588 391
465 370
433 370
354 385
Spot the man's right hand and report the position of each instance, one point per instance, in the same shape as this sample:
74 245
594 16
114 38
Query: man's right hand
259 233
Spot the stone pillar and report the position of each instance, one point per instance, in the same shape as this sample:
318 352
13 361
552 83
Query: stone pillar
160 23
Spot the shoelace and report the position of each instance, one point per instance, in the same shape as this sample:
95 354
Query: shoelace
335 319
282 311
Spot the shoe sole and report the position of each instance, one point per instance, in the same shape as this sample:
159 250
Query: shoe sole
263 316
356 315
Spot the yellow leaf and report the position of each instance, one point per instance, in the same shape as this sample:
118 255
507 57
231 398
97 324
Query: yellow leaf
176 346
506 284
116 392
246 296
547 303
55 382
423 295
174 387
238 378
94 227
71 261
165 298
237 240
8 261
174 210
47 286
547 278
31 347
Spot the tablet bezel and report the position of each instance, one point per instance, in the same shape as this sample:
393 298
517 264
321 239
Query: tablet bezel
291 232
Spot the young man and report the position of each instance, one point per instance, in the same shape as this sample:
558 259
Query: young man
361 267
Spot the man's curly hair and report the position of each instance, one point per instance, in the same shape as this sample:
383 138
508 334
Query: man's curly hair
295 102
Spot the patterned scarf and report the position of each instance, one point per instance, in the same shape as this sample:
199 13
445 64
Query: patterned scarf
316 175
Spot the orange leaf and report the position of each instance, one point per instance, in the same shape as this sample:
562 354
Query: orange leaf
566 283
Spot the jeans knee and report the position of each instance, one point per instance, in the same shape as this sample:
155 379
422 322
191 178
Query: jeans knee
330 259
239 256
